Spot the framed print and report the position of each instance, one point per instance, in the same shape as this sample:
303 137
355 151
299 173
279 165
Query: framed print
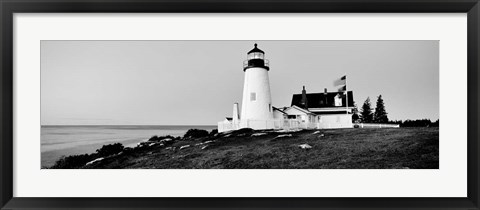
239 105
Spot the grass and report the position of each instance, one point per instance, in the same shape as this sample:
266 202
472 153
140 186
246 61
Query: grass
396 148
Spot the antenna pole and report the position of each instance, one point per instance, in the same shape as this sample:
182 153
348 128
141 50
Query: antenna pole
346 93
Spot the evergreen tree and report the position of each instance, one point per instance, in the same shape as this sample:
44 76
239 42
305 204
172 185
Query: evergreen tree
366 113
380 115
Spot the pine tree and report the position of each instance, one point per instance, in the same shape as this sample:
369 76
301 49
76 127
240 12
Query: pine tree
380 115
366 113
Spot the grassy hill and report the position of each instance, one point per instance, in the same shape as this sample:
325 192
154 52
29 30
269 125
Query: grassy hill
399 148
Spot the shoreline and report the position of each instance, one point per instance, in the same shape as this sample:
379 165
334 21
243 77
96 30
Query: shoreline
78 139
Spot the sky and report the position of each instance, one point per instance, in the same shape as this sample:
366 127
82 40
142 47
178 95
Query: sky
197 82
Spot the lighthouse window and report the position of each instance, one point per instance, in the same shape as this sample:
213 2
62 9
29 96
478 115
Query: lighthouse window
255 56
253 96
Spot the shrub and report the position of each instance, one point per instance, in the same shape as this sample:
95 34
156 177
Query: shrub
110 149
195 133
73 161
242 131
156 138
416 123
127 150
213 132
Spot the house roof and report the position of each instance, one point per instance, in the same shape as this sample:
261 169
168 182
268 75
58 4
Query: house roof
321 100
280 110
300 109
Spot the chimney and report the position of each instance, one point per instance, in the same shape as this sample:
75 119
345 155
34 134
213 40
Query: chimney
236 115
325 96
304 101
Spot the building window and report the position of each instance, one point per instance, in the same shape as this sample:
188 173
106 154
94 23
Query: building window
269 107
253 96
292 116
338 100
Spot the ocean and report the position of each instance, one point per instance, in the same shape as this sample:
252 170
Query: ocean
57 141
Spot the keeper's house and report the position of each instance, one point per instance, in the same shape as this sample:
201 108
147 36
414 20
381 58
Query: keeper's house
321 110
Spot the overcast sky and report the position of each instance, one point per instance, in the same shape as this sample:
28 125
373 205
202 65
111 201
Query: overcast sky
197 82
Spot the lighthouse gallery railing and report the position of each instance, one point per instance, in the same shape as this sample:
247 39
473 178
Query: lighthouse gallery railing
266 63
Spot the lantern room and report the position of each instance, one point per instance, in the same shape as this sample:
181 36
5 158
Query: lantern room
256 58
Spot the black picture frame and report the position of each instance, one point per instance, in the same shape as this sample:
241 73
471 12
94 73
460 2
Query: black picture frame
9 7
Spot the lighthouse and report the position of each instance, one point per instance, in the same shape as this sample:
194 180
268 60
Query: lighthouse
307 110
257 111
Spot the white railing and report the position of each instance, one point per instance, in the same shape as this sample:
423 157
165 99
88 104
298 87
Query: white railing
265 124
376 125
334 125
293 125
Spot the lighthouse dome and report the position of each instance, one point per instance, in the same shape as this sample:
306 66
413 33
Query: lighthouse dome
256 50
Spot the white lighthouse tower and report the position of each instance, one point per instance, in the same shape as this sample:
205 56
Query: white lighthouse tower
257 111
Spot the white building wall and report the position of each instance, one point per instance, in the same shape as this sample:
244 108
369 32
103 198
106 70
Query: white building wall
308 118
335 121
226 126
277 115
257 82
303 119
